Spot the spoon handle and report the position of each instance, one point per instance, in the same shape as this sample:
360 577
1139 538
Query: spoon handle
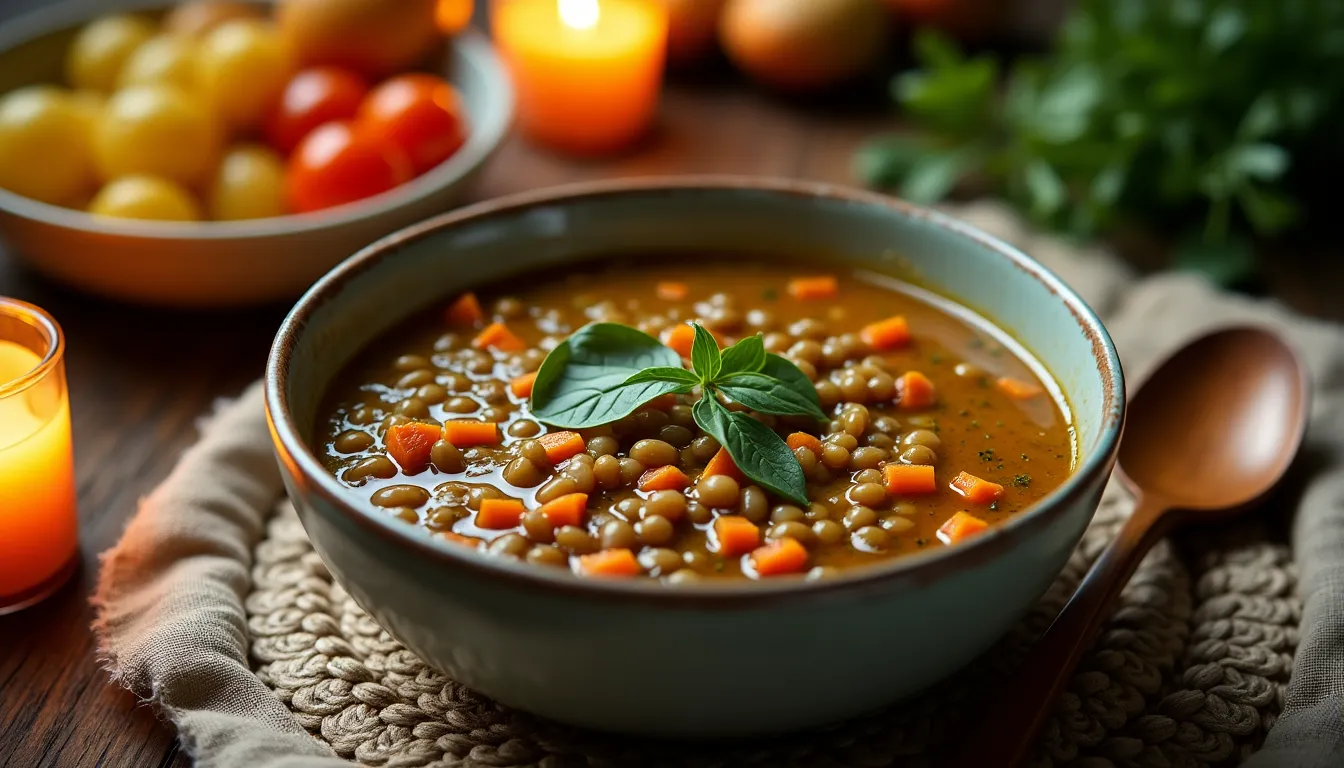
1023 705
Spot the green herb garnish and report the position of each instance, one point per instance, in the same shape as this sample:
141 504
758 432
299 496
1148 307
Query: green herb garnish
606 371
1022 481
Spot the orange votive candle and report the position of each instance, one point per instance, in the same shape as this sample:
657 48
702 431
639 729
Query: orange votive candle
38 533
587 72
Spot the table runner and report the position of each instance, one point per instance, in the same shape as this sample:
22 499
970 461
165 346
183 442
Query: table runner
214 607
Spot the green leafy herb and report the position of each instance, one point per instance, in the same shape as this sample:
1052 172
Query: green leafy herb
605 372
1022 481
1218 118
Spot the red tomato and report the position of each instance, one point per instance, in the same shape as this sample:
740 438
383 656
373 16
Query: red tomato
312 97
419 113
335 164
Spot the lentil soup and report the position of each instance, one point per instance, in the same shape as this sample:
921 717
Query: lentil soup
938 426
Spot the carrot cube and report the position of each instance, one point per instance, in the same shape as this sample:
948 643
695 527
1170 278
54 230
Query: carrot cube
891 333
667 478
465 433
909 479
410 444
499 514
722 464
735 535
804 440
1017 388
960 527
914 391
669 291
521 387
498 336
810 288
465 310
779 557
566 510
562 445
612 563
976 490
680 338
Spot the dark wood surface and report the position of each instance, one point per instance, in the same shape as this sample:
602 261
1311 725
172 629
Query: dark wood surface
140 378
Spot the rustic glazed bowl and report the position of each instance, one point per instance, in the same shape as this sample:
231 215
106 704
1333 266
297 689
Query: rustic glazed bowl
702 660
231 263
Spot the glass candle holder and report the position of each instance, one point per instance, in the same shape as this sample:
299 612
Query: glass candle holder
39 542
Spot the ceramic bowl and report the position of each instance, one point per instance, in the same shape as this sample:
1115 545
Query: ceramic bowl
222 264
708 660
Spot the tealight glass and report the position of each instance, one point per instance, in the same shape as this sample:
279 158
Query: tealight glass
39 542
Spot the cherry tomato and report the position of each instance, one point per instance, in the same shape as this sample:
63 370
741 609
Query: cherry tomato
44 145
419 113
99 50
243 66
145 197
335 164
312 97
156 130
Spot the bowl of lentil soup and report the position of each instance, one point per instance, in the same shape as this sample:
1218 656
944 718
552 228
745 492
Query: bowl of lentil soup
625 454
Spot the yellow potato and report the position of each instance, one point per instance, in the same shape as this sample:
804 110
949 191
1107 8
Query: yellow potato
145 197
100 49
156 130
242 66
45 145
250 184
162 60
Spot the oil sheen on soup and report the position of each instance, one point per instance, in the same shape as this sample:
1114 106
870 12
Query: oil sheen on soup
939 426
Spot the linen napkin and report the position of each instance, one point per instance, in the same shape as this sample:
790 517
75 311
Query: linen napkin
173 628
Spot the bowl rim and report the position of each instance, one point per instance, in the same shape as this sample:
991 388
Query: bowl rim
486 134
910 570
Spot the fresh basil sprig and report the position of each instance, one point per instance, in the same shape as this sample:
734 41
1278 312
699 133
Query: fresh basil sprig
605 372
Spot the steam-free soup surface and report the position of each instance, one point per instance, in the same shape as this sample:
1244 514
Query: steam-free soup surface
995 439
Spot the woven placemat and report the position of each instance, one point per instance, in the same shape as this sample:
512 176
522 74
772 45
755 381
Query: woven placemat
1190 670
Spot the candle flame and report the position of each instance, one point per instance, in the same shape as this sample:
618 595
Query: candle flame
579 14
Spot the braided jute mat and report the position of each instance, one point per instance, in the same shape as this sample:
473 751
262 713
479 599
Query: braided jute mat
1189 671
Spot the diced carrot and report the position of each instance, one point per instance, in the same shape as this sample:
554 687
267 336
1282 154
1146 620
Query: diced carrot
960 527
457 538
562 445
735 535
808 288
886 334
669 291
499 514
779 557
521 387
659 403
804 440
723 464
498 336
610 563
909 479
667 478
409 444
680 338
976 490
1017 388
465 433
466 310
566 510
914 391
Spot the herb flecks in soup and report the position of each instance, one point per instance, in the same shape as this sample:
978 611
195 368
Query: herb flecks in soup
704 420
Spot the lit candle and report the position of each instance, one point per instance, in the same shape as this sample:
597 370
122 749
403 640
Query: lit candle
587 73
38 533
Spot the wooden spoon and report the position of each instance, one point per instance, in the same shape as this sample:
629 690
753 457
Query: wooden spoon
1209 435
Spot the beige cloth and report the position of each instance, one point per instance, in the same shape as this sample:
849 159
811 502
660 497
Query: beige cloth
234 629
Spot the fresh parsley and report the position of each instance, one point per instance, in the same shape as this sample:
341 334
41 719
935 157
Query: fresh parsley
606 371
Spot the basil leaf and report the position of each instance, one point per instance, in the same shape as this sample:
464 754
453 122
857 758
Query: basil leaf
678 375
582 382
766 395
777 367
761 454
705 354
746 356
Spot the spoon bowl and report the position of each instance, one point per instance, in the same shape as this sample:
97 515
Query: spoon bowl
1209 433
1217 424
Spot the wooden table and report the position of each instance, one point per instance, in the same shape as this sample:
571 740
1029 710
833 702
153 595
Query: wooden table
140 378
